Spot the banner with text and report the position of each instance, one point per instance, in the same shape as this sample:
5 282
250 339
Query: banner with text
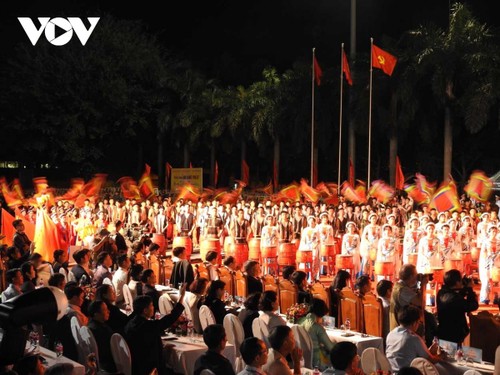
181 176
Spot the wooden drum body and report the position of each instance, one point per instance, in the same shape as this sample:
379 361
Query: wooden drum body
384 268
344 262
254 249
438 275
160 240
240 253
474 252
183 241
304 257
327 251
466 258
450 264
495 274
268 251
412 258
209 244
286 254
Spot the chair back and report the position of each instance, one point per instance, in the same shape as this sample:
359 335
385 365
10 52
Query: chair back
472 372
261 330
127 296
89 342
207 372
121 354
235 336
71 276
202 271
350 307
240 284
288 295
270 283
319 291
373 315
206 317
372 360
165 304
226 276
187 306
80 347
62 270
425 366
107 281
485 334
304 342
497 361
168 266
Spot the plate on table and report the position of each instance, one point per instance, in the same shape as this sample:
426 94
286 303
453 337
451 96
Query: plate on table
347 334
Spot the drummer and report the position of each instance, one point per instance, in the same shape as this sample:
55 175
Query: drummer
428 251
269 234
466 234
258 221
447 245
309 242
411 239
350 244
488 259
386 250
285 227
214 224
240 228
325 230
369 243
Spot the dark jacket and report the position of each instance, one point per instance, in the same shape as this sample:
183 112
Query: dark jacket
452 305
182 272
215 362
151 291
144 340
102 334
254 285
218 308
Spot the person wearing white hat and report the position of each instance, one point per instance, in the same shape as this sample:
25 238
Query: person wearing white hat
325 230
269 233
429 256
369 243
258 221
309 242
482 226
447 245
411 240
441 220
386 249
465 234
350 244
489 259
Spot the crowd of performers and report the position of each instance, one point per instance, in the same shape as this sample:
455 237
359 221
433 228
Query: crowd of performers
371 239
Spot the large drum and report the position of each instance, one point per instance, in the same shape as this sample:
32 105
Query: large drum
269 251
438 273
254 249
450 264
228 245
474 251
344 262
286 254
304 256
327 251
466 258
495 274
412 258
183 241
240 253
384 268
372 251
209 244
160 240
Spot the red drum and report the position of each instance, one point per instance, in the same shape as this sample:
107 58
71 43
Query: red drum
254 249
304 257
240 253
160 240
466 258
438 275
474 252
228 244
412 258
170 231
183 241
327 250
343 262
384 268
286 254
495 274
450 264
268 251
209 244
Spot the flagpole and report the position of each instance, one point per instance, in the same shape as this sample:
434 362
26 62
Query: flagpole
312 119
340 114
370 115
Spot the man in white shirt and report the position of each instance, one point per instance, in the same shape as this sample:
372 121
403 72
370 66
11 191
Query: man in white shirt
120 277
282 343
255 354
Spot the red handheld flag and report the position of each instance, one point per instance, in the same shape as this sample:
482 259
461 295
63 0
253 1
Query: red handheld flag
383 60
345 68
400 177
318 73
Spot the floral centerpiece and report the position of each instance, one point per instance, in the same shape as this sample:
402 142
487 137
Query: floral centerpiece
297 311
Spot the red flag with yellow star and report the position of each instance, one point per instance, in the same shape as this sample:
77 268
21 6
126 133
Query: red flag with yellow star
383 60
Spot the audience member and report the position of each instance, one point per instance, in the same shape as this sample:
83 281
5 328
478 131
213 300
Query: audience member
60 261
148 279
182 271
384 291
81 271
299 278
249 313
214 300
340 281
287 272
362 286
211 264
30 364
64 368
29 277
76 296
197 288
255 354
99 315
117 319
120 278
252 272
345 359
135 284
282 343
215 339
269 304
103 270
14 279
15 257
58 280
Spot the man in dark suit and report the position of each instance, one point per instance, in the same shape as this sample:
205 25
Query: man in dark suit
182 272
99 315
20 239
252 270
121 244
214 337
148 279
143 335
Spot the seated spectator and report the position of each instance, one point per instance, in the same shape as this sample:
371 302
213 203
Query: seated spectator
198 288
99 315
143 334
269 304
215 339
287 272
182 272
403 344
230 264
282 343
117 319
249 313
15 257
120 278
345 359
252 272
362 286
214 300
148 279
299 278
340 281
138 256
313 323
29 277
60 260
29 365
255 354
384 291
152 256
103 270
58 280
211 264
81 271
14 279
135 283
75 296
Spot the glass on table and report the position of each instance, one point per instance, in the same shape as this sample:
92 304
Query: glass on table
34 338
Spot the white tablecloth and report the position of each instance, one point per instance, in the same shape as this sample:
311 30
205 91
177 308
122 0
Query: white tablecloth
361 342
185 353
52 359
453 368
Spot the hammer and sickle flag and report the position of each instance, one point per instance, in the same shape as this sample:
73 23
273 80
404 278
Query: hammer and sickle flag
383 60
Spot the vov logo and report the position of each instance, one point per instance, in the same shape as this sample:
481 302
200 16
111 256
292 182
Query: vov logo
66 26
